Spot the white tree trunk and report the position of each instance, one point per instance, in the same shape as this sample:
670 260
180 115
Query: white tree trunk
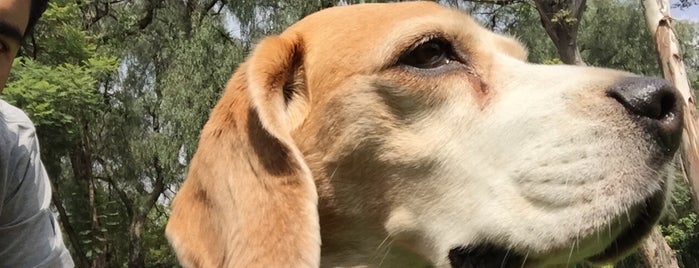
655 250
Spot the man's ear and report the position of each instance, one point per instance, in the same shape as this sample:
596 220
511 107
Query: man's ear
249 199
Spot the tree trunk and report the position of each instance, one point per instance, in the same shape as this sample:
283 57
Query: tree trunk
670 60
52 164
79 256
561 20
136 256
656 253
81 163
655 250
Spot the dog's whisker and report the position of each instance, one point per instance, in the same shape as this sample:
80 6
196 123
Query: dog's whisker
388 236
628 215
388 250
609 230
385 243
524 261
504 259
332 175
570 253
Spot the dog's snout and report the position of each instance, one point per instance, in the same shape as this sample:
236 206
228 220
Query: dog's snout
656 104
652 98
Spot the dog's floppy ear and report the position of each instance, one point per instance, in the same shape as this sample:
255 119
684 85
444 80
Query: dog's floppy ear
249 199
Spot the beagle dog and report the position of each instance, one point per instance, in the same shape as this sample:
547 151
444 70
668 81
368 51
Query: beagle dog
406 135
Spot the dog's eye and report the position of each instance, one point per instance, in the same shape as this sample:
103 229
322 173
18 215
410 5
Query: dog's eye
428 55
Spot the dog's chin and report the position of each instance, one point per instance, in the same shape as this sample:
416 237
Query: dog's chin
634 234
487 255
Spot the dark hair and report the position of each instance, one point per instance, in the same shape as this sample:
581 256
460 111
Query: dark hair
37 8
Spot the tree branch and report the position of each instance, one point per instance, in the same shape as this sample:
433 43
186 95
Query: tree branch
128 204
158 187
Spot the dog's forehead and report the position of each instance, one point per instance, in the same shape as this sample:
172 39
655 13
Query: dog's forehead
373 25
374 14
361 38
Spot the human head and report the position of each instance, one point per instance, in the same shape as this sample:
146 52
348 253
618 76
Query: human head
17 17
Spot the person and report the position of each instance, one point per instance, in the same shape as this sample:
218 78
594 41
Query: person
29 233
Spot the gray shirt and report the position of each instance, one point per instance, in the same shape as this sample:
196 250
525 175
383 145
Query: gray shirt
29 234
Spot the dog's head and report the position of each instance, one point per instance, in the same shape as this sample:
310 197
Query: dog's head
406 131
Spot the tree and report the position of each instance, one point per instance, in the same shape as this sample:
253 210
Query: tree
685 3
104 82
561 20
171 58
670 59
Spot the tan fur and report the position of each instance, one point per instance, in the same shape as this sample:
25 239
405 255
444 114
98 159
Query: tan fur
393 168
257 193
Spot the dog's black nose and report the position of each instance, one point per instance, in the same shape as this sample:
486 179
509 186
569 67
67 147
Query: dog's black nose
656 104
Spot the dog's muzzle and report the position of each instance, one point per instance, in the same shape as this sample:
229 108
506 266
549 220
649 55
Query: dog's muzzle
487 255
656 107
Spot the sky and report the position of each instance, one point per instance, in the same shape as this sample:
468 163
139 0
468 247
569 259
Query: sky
690 13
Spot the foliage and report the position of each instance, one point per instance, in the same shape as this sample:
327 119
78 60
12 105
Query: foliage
56 96
159 253
553 61
685 3
58 85
564 16
198 93
621 41
680 226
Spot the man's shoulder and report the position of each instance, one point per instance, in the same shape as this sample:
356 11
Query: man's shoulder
16 131
12 115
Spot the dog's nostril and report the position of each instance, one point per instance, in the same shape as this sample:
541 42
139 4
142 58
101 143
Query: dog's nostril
648 97
655 103
668 103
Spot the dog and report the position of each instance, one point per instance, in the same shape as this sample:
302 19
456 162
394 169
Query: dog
406 135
